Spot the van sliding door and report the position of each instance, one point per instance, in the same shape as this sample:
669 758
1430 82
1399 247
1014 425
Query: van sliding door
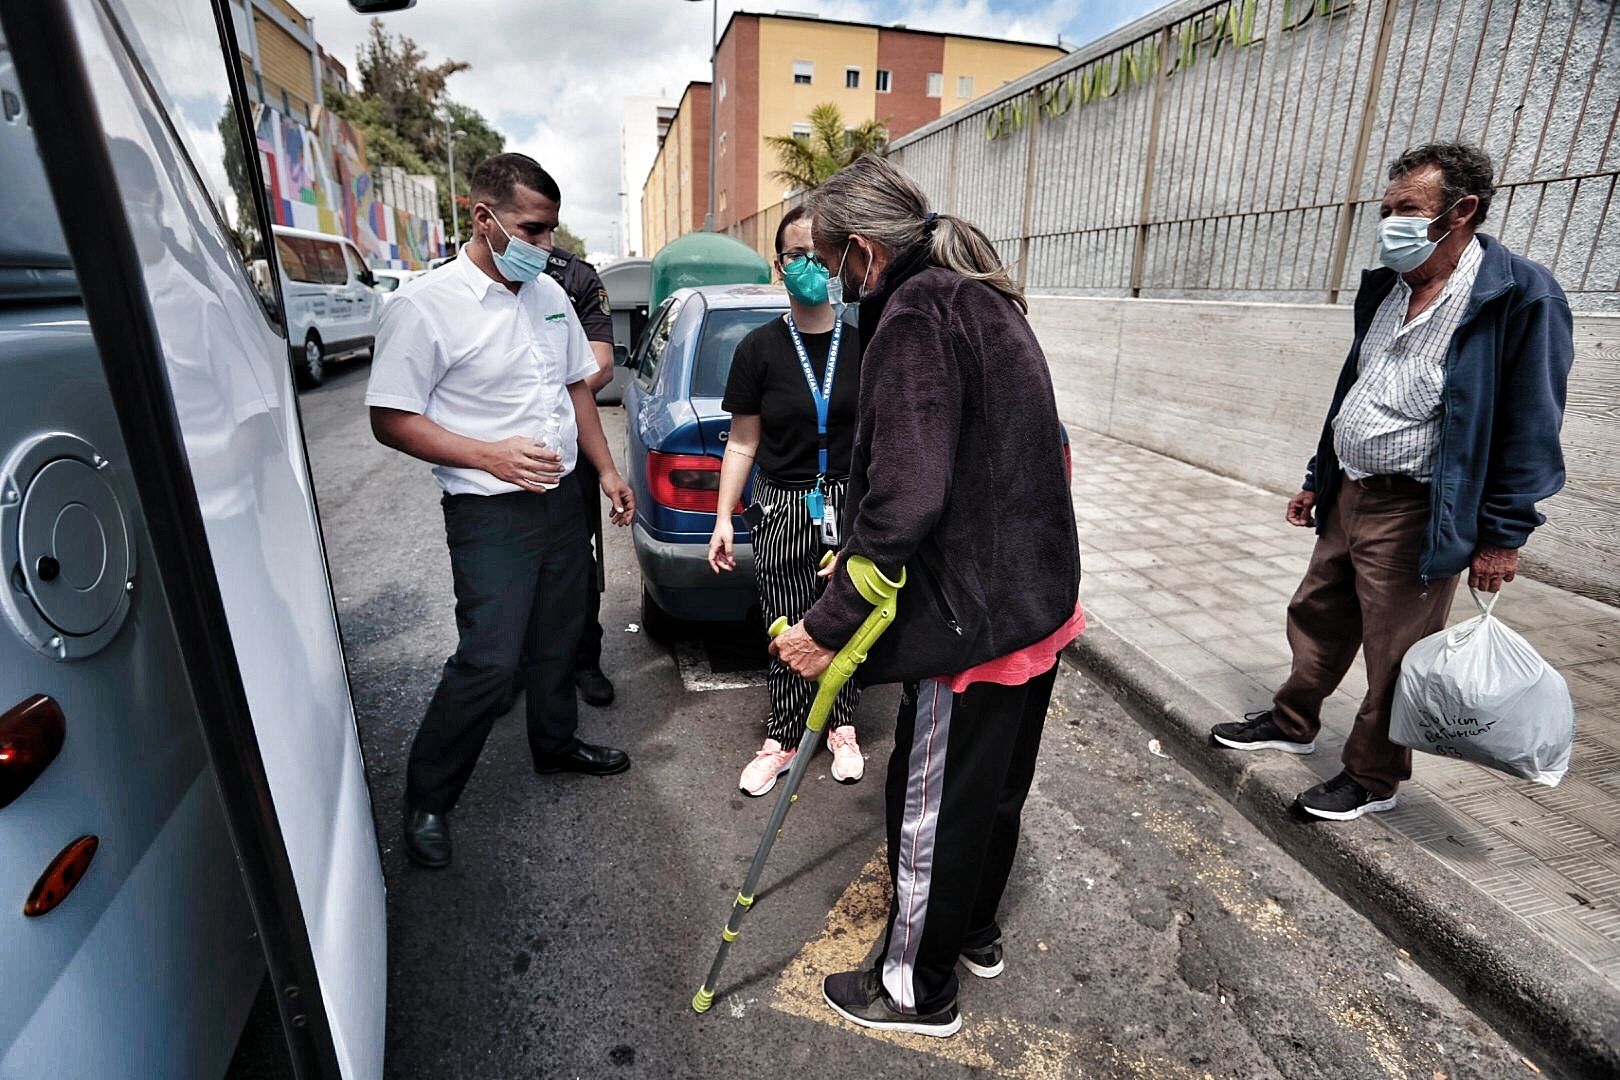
155 176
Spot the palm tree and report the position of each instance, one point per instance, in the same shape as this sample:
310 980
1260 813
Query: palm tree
808 160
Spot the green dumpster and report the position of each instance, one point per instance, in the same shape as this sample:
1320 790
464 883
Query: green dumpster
705 258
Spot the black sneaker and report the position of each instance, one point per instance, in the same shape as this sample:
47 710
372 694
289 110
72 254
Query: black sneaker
1258 731
594 687
858 997
1342 799
987 962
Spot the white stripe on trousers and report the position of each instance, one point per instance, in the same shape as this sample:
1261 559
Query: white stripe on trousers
919 833
787 555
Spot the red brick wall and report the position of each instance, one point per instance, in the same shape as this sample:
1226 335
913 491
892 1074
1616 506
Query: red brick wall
739 120
909 57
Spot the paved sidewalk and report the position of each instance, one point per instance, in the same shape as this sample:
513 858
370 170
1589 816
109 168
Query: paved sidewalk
1196 570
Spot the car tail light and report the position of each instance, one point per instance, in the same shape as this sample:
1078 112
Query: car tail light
685 481
31 735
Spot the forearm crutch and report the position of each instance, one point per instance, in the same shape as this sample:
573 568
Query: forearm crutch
882 594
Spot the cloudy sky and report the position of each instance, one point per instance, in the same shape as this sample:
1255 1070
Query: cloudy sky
551 74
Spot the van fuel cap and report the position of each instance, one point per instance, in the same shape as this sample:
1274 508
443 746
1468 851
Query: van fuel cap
66 545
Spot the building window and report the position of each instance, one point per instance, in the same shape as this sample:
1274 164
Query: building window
936 84
803 72
964 86
801 131
852 78
722 144
722 89
882 81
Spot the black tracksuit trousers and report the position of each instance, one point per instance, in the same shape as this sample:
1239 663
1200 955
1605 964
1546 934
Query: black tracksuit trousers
958 777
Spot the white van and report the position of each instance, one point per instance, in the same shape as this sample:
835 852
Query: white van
185 826
332 305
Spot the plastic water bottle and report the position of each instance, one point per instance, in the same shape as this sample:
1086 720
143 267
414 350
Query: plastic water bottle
551 439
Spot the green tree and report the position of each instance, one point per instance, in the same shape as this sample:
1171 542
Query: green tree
566 238
394 73
807 161
401 109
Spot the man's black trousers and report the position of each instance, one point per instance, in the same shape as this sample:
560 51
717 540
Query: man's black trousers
589 656
520 563
961 768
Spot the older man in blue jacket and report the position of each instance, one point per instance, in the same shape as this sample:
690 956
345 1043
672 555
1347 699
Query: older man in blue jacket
1441 439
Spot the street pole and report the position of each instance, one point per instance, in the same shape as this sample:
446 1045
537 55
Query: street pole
455 215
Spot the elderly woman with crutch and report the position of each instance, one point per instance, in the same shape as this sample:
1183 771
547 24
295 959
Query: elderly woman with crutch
958 479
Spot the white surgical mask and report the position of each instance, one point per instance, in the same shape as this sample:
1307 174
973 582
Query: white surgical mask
835 283
1403 242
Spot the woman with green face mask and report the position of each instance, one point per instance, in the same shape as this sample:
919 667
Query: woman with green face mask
792 395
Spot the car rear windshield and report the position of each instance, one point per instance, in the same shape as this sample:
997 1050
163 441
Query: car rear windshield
722 330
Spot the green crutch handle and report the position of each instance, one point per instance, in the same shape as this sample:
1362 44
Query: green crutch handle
879 591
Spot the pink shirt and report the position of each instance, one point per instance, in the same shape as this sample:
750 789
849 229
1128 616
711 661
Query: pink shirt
1019 667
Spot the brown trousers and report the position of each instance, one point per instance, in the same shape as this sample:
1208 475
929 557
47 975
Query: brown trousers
1362 590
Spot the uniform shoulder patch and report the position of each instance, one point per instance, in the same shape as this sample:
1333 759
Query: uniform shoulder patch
607 305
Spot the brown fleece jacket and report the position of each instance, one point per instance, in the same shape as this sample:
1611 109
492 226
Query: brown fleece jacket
958 475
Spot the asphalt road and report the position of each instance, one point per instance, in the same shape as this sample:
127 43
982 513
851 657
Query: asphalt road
1151 932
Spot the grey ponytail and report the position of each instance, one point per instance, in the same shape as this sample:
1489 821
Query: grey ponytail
873 199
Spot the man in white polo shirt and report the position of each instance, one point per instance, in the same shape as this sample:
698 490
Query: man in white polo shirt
481 369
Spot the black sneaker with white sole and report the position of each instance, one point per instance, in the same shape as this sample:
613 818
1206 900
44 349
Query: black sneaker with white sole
1342 799
858 997
1258 731
987 962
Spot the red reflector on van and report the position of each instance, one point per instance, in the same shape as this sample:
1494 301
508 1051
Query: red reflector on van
59 878
31 735
685 481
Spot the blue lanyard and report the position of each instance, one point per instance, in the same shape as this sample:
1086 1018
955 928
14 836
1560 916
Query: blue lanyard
821 395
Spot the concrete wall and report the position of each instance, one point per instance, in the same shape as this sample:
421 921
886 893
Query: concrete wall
1242 389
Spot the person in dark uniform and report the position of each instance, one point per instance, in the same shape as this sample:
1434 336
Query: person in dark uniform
583 285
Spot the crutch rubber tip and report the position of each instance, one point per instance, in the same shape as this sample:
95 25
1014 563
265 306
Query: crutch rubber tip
702 1000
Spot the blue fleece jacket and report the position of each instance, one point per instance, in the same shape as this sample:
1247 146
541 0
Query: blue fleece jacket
1501 410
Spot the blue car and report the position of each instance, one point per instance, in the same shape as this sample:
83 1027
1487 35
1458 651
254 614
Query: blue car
675 438
676 435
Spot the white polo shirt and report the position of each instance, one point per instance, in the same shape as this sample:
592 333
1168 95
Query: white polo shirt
479 360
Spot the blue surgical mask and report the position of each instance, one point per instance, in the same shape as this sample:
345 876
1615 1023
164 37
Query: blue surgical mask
521 261
806 280
1403 242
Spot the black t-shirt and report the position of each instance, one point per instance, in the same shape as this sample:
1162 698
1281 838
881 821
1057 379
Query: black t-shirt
767 379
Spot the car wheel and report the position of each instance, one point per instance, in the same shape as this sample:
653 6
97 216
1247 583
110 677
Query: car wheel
310 363
657 623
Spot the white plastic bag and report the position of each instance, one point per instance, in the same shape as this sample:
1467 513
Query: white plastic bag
1479 692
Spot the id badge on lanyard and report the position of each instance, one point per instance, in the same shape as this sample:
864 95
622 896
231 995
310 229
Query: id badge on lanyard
815 501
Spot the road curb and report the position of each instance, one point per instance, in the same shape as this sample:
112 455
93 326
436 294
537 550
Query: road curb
1561 1013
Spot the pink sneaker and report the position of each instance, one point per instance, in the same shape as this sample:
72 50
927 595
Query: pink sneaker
770 761
848 764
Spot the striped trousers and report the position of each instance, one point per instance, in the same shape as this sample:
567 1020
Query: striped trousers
961 769
787 554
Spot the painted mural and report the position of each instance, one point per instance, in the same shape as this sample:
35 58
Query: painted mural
323 182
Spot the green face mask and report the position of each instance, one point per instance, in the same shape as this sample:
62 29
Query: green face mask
806 280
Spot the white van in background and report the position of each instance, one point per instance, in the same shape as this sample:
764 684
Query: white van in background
332 307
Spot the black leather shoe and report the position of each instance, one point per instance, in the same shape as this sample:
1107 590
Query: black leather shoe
594 687
427 838
584 758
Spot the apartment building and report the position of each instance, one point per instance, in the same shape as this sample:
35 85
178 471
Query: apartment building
771 70
675 197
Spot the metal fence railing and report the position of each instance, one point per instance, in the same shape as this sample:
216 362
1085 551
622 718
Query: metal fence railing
1237 150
